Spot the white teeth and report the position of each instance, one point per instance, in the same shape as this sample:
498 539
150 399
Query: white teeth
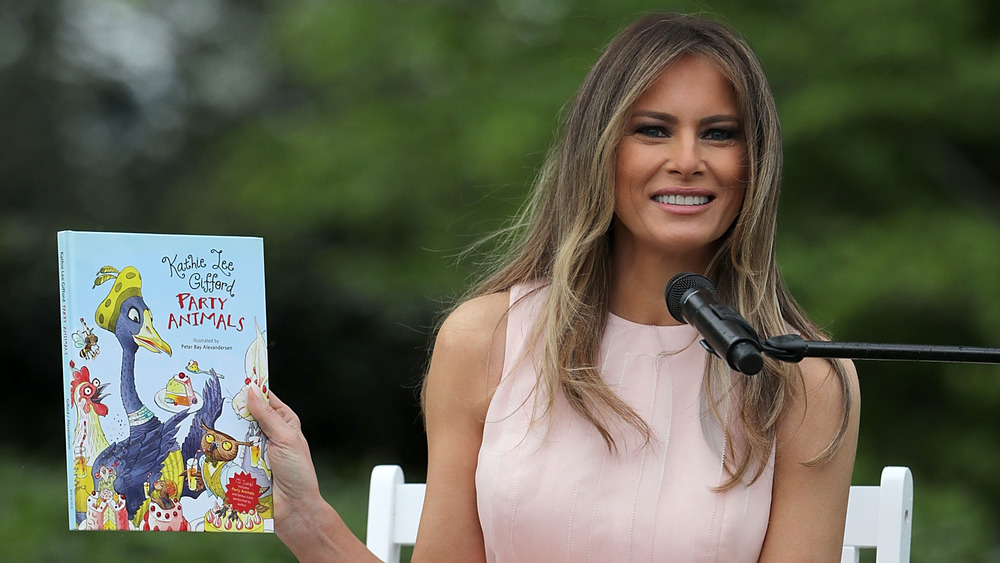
681 200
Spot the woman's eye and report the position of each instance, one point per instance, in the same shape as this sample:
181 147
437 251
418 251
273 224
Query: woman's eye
651 131
720 134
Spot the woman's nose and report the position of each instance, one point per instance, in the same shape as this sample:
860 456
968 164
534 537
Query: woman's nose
684 156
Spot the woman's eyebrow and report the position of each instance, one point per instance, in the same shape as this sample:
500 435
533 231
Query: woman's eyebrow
670 118
658 115
721 118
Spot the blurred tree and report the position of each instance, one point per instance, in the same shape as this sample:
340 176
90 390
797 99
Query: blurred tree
103 105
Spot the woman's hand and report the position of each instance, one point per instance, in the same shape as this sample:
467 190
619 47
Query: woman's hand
303 521
294 476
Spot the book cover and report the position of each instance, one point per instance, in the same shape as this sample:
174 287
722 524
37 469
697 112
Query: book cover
163 338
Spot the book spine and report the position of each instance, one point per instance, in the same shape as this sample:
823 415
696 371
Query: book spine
63 243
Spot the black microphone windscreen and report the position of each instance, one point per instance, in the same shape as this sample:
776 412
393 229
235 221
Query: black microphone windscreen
678 286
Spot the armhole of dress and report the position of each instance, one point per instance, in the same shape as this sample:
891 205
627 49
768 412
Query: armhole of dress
522 311
510 345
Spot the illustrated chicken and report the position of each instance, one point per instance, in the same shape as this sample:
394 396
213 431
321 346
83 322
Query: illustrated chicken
88 436
86 395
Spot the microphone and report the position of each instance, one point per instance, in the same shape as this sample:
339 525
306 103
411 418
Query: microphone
691 299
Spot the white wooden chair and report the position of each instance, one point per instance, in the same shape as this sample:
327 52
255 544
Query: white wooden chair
393 512
878 517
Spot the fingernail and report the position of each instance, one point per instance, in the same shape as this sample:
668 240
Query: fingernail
257 391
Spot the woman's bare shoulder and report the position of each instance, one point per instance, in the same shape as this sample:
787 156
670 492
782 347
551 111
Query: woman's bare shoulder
831 391
469 350
475 321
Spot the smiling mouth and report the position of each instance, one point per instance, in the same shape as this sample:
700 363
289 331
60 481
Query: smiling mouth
682 199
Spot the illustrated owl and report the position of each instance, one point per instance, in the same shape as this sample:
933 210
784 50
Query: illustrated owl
219 446
219 450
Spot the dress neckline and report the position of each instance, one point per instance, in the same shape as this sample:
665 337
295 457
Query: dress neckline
678 328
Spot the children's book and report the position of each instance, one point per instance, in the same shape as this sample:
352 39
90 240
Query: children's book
163 340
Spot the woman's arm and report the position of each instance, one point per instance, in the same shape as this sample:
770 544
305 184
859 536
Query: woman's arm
304 522
465 368
809 504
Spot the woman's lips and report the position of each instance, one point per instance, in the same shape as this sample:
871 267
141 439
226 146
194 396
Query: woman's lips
685 200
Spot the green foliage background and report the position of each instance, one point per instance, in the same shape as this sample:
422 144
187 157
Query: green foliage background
370 142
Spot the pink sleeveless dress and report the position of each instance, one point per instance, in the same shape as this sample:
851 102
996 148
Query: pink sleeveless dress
553 492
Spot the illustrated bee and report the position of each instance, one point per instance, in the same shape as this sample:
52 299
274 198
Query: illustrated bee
87 340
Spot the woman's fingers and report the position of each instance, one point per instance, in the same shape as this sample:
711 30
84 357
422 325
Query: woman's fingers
275 418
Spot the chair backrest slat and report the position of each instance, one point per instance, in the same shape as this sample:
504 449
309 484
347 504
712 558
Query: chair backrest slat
880 518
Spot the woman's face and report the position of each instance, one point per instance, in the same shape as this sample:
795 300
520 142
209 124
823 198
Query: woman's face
681 169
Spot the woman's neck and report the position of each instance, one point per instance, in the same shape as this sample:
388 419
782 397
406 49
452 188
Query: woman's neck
638 281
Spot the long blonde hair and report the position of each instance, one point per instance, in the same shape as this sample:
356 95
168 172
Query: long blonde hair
561 237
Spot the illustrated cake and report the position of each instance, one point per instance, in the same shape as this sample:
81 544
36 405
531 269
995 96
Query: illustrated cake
179 391
165 519
104 513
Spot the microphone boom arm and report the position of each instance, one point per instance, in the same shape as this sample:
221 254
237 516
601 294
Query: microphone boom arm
691 299
792 348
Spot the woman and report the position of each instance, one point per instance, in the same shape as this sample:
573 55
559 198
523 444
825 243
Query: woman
568 416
